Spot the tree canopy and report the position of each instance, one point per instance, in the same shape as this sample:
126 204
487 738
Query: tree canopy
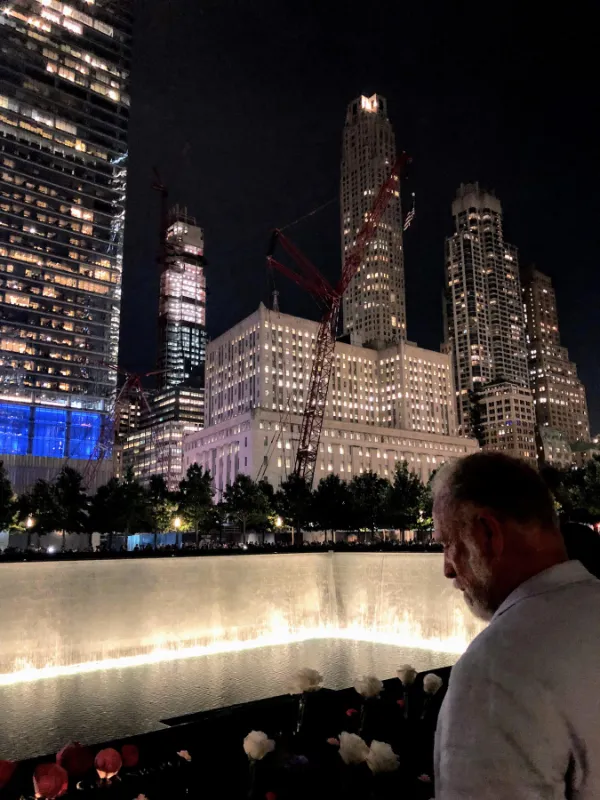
368 502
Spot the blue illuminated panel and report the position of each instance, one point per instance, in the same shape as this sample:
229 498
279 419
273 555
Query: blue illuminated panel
14 429
85 433
49 432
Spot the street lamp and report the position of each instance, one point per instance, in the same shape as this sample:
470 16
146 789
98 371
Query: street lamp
177 523
29 522
278 522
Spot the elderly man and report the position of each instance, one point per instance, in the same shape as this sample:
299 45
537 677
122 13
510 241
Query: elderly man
522 715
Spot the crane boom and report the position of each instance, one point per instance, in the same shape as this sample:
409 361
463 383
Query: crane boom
311 279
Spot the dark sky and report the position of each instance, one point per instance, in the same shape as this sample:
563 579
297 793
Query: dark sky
241 104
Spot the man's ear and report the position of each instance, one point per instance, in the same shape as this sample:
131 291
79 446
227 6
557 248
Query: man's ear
490 533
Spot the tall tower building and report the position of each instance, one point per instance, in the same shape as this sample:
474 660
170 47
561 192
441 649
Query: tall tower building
155 446
374 303
182 308
64 108
560 401
486 327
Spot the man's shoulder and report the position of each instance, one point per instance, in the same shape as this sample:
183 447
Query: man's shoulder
476 655
538 627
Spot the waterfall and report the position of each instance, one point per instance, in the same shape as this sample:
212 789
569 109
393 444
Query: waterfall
68 617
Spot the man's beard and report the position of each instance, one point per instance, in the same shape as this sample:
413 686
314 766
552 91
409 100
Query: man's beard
478 607
477 596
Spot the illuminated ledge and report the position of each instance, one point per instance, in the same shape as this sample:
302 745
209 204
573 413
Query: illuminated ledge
28 673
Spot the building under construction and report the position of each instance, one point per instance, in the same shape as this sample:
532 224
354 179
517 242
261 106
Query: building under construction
154 445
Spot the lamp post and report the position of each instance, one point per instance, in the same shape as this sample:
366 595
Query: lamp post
177 526
29 523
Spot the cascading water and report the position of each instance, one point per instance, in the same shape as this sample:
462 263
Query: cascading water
70 617
69 629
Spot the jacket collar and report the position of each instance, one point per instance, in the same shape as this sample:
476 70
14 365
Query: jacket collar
547 581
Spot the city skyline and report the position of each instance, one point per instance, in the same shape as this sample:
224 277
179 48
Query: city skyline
253 154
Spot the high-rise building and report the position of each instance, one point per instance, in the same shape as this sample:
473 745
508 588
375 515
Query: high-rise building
64 108
155 447
382 406
374 303
485 327
182 309
560 401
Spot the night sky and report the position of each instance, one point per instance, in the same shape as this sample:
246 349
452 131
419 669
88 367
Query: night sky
241 103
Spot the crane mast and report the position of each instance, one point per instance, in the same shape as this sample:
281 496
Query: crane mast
307 276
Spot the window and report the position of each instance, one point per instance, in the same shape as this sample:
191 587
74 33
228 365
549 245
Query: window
85 433
14 429
49 434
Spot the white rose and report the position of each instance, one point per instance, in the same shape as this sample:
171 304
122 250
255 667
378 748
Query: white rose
432 683
369 686
257 744
353 749
381 758
407 674
306 680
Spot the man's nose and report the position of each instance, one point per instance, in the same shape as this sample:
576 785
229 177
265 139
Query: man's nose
449 571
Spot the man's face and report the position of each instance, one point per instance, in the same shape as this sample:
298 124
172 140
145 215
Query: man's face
465 561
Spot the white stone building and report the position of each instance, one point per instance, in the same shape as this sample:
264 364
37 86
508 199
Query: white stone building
383 406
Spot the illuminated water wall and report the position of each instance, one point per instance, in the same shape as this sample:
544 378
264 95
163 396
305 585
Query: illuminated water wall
62 618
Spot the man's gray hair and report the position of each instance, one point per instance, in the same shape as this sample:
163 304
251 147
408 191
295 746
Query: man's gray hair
507 486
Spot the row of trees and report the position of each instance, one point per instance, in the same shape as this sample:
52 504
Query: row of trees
366 503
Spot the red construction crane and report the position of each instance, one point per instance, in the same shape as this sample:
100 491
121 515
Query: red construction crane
309 278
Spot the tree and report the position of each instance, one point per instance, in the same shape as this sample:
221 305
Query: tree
8 505
213 519
332 504
134 506
425 522
577 490
293 500
405 497
39 506
369 500
246 502
121 507
106 510
195 496
71 502
163 506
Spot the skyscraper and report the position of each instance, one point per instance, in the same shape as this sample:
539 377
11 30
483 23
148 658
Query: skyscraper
486 327
155 446
560 402
182 310
374 303
64 108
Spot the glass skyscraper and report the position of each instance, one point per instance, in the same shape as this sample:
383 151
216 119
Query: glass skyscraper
64 108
